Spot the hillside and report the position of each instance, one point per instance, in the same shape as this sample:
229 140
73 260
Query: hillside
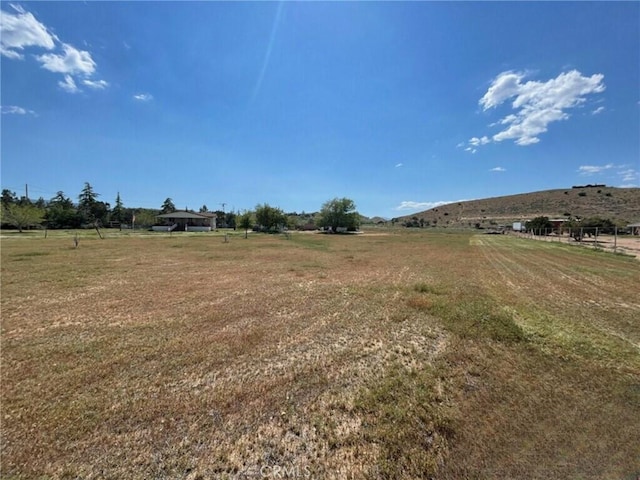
618 204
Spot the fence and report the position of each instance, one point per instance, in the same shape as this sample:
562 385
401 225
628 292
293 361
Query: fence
613 239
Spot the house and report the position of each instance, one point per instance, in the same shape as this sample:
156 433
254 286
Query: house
557 223
634 228
185 221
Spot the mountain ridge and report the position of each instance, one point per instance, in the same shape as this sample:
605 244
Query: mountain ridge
621 205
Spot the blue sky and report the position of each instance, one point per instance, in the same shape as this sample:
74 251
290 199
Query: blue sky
397 105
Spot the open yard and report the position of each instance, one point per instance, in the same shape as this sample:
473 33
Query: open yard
405 354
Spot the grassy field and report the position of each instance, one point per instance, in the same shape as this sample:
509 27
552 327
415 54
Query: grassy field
382 355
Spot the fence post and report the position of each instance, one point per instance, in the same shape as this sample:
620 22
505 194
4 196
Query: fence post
595 241
615 239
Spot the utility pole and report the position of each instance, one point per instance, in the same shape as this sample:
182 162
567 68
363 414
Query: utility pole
26 192
223 205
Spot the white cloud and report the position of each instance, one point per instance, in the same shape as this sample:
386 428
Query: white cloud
410 205
15 110
498 169
593 169
20 30
96 84
475 141
537 104
69 84
598 110
143 97
398 165
72 61
629 175
505 85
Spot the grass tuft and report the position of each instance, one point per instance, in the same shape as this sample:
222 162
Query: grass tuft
406 414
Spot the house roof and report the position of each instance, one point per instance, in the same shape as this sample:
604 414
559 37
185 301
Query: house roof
634 225
186 215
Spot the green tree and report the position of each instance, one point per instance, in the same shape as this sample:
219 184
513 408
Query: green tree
270 218
8 197
100 213
230 220
339 213
203 209
41 203
604 225
22 216
62 213
145 217
118 214
245 221
86 203
167 207
539 225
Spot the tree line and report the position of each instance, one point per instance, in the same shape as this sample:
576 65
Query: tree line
61 212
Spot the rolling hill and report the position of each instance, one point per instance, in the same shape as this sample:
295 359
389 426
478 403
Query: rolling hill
621 205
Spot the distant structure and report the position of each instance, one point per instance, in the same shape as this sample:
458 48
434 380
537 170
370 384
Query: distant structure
186 221
590 186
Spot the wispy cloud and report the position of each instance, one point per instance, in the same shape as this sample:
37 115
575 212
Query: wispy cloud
21 30
626 175
419 206
593 169
398 165
475 141
536 104
15 110
498 169
143 97
597 111
96 84
629 175
69 84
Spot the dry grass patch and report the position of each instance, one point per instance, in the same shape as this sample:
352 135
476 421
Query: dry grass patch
412 355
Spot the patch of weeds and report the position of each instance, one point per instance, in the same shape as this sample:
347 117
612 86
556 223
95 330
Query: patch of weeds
480 317
423 287
311 241
421 303
24 256
408 417
470 314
